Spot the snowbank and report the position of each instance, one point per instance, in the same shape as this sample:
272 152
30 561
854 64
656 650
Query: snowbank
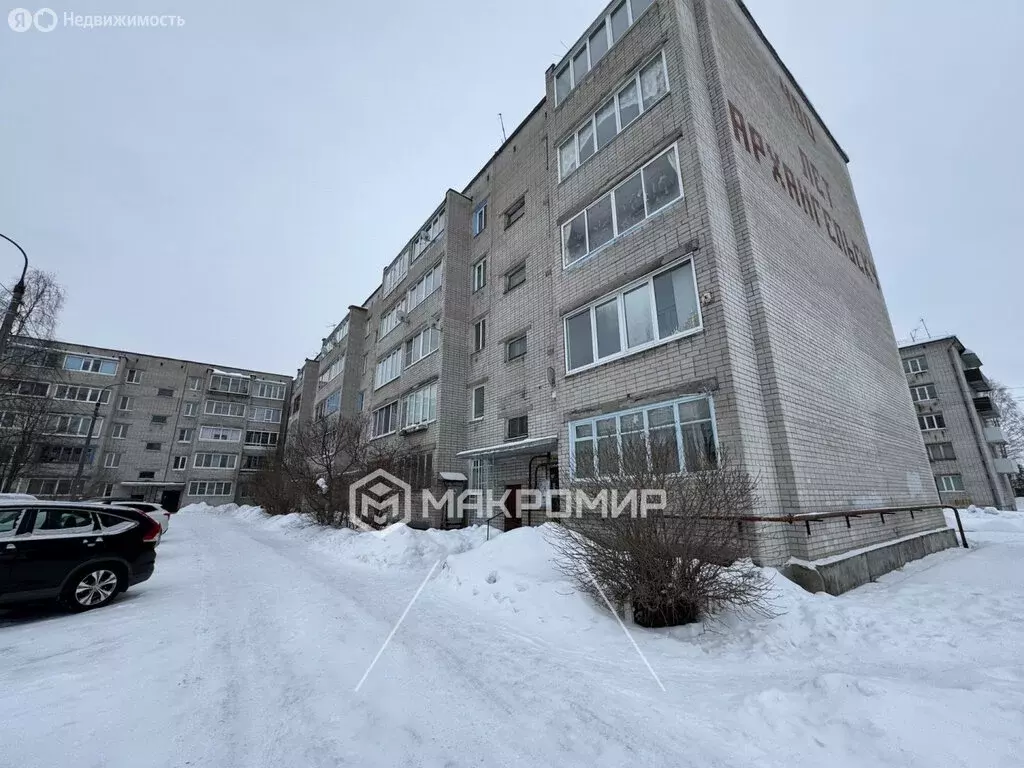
988 519
397 546
517 573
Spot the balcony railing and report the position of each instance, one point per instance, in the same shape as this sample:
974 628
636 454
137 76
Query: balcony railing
994 435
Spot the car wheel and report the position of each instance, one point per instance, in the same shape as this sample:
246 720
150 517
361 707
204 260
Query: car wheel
92 588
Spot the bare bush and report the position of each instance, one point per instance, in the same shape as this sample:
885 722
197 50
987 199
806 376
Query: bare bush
326 456
675 566
274 489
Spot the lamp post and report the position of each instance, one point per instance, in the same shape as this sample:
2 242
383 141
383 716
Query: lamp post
76 486
15 303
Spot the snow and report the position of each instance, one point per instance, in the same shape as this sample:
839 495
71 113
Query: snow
987 519
245 647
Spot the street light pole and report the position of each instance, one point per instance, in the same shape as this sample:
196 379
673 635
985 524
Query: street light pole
15 303
76 486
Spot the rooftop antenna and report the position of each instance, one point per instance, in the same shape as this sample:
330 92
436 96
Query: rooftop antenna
501 120
925 326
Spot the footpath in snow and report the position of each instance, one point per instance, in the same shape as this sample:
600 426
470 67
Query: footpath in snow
247 646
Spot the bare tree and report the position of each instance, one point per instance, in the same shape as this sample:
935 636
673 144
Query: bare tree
326 456
673 566
1011 419
29 365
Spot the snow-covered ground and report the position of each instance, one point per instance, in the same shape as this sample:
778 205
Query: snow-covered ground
247 645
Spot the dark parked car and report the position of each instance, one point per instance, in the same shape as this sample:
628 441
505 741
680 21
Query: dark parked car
83 555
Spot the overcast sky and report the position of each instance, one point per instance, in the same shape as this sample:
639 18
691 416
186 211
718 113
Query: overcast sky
224 190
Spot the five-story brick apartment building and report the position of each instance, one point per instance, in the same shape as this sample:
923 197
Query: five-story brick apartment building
668 247
960 423
168 431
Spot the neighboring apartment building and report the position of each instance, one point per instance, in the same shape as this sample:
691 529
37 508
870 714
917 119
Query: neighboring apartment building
960 423
168 431
668 247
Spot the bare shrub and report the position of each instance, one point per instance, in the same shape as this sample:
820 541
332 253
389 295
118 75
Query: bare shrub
326 456
274 489
675 566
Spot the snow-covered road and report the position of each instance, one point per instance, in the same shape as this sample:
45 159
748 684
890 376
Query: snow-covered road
246 646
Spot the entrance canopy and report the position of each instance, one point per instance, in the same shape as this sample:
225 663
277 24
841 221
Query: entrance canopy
512 448
151 484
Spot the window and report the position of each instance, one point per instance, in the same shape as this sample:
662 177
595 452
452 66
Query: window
422 344
272 391
515 348
185 434
388 369
420 407
220 434
515 212
670 437
147 474
224 408
38 389
210 488
62 522
9 521
480 274
158 420
126 403
480 474
104 366
931 421
637 94
515 278
195 383
923 392
134 376
119 431
62 454
180 463
418 470
153 446
479 334
215 461
233 385
190 409
949 483
164 392
260 439
296 403
330 405
478 403
517 428
941 452
49 487
392 319
74 426
80 394
272 415
915 364
653 187
639 316
332 372
396 273
425 286
607 33
480 218
385 420
112 460
254 462
359 401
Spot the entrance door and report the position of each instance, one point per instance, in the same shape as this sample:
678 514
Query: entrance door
170 500
513 516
